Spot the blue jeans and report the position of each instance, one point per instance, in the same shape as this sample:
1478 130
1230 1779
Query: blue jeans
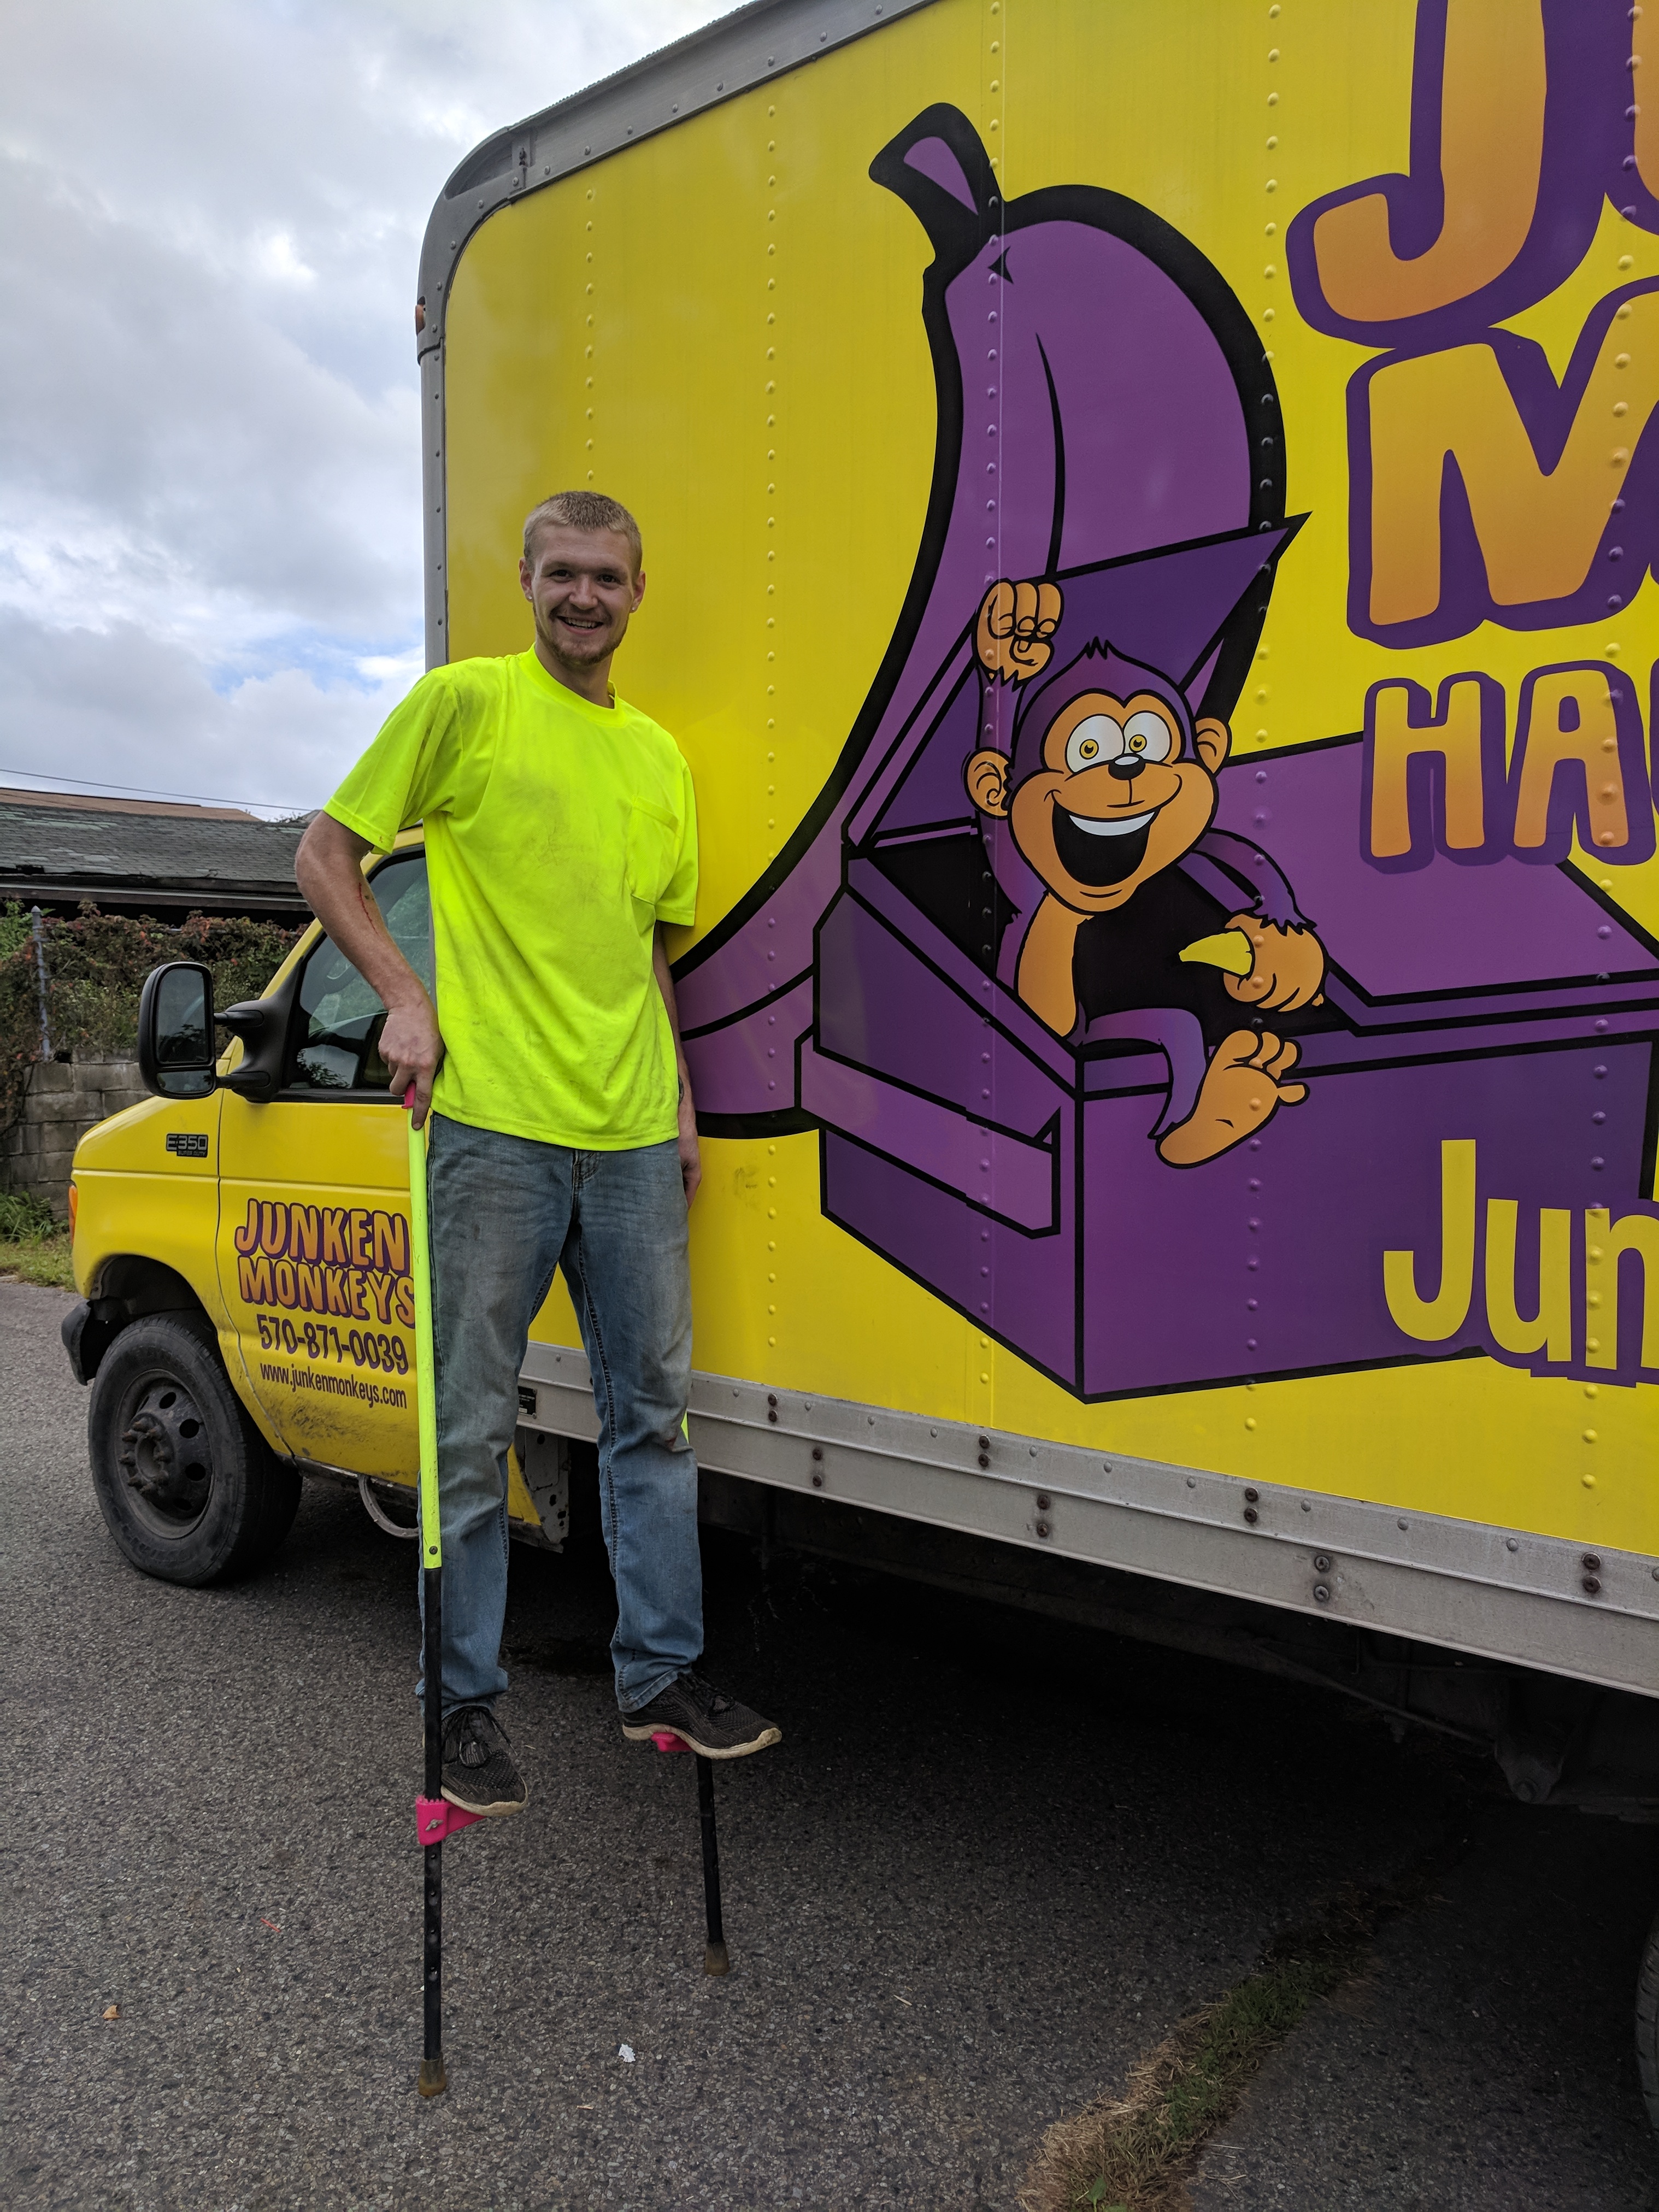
505 1212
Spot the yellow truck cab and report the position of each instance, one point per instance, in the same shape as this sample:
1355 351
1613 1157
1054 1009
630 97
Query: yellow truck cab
244 1256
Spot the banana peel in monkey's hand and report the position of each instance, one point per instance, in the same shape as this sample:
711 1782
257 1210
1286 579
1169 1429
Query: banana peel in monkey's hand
1229 949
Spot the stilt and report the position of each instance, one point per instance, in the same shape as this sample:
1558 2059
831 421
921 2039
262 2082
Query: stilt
434 1817
715 1958
714 1961
433 2079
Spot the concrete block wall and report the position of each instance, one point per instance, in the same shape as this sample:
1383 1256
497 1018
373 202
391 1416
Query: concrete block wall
64 1100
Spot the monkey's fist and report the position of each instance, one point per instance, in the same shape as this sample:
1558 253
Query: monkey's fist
1017 624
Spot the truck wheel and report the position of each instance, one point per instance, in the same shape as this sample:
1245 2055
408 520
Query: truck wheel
189 1487
1647 2023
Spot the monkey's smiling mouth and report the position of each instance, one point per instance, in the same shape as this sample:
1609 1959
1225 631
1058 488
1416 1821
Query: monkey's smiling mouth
1098 852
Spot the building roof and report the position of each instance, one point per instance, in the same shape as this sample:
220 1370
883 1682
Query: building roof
146 855
96 803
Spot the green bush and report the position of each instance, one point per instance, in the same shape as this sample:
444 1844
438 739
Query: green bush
95 968
14 927
25 1220
33 1247
19 1025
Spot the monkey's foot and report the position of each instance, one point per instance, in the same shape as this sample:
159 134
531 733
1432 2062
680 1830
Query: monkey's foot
1242 1088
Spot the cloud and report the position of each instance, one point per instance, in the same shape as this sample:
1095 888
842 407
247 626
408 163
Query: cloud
280 739
210 472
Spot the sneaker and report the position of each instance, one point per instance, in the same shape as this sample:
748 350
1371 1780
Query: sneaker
703 1717
479 1772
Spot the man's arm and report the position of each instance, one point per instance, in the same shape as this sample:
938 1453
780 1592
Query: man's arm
328 868
690 1158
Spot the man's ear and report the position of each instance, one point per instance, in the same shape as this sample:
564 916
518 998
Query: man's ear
987 779
1213 740
524 578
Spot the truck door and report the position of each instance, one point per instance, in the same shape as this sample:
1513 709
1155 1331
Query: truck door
313 1252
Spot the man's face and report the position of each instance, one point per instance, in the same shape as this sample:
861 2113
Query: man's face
582 585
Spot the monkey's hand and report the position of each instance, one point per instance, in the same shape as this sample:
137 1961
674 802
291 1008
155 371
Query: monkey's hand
1017 623
1286 967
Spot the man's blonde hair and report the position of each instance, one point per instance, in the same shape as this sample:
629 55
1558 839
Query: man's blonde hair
585 510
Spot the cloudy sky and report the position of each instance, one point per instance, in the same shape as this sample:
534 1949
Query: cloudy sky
209 476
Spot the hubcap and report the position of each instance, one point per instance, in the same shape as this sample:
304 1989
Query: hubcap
164 1459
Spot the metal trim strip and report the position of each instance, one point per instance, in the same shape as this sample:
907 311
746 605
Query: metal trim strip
753 46
1494 1593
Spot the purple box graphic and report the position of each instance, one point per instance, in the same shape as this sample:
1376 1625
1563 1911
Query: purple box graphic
1462 1004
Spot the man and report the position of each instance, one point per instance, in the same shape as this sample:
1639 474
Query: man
561 835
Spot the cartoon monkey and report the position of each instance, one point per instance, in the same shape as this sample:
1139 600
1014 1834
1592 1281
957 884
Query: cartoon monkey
1111 787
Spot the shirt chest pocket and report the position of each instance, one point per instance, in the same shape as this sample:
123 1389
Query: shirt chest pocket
653 844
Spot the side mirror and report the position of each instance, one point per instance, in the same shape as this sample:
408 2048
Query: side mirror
262 1025
177 1047
175 1031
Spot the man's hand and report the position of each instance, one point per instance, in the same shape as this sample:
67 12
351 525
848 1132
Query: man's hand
413 1050
1016 623
1287 968
691 1152
691 1155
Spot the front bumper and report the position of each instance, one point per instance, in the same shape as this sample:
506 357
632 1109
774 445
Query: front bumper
89 1330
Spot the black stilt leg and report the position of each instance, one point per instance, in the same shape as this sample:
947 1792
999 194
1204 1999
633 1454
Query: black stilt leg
433 2079
433 1818
715 1960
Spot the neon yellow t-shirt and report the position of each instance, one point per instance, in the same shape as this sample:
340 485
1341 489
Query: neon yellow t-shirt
558 834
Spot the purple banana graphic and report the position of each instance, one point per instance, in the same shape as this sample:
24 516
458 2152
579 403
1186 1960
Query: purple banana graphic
1100 394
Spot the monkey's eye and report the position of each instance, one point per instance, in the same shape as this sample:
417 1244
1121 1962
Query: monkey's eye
1149 736
1098 739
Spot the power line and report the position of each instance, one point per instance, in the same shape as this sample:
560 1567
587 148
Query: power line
141 791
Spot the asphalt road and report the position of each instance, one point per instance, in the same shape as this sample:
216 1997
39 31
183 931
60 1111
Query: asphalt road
988 1868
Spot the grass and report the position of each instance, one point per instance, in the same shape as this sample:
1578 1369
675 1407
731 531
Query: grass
33 1246
1130 2153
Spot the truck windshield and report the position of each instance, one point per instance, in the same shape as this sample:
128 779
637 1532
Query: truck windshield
342 1014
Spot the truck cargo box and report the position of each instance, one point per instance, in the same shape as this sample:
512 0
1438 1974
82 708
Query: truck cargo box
1292 370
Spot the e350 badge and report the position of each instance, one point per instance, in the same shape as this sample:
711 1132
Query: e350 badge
187 1144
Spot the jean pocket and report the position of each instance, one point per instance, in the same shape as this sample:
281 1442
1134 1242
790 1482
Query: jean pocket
654 842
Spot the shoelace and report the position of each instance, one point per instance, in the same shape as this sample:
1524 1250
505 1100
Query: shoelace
472 1746
713 1701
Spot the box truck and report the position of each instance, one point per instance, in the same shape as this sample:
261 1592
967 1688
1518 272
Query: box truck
1147 512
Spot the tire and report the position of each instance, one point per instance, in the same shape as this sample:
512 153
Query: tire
1647 2024
189 1488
